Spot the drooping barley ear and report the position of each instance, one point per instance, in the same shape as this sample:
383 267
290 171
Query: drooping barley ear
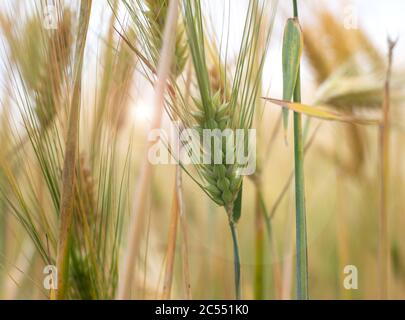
384 256
337 72
68 174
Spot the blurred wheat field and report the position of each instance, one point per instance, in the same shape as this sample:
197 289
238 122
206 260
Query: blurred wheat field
84 82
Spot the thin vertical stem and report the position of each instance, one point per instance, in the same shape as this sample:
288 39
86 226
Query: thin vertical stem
295 5
171 245
182 214
236 260
69 166
183 223
272 246
259 247
138 211
301 229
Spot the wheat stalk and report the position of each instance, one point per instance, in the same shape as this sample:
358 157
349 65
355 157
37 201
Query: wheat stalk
292 48
163 72
68 174
301 229
170 251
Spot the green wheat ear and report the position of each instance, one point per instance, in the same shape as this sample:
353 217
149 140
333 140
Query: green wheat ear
156 15
222 181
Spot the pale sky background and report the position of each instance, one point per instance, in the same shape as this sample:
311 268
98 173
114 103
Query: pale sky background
378 18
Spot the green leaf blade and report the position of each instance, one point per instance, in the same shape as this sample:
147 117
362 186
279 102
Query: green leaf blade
322 113
292 50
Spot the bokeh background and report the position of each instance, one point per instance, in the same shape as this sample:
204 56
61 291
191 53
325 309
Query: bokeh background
341 165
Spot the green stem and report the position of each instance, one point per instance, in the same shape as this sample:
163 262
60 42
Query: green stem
273 254
259 247
301 229
232 226
295 5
